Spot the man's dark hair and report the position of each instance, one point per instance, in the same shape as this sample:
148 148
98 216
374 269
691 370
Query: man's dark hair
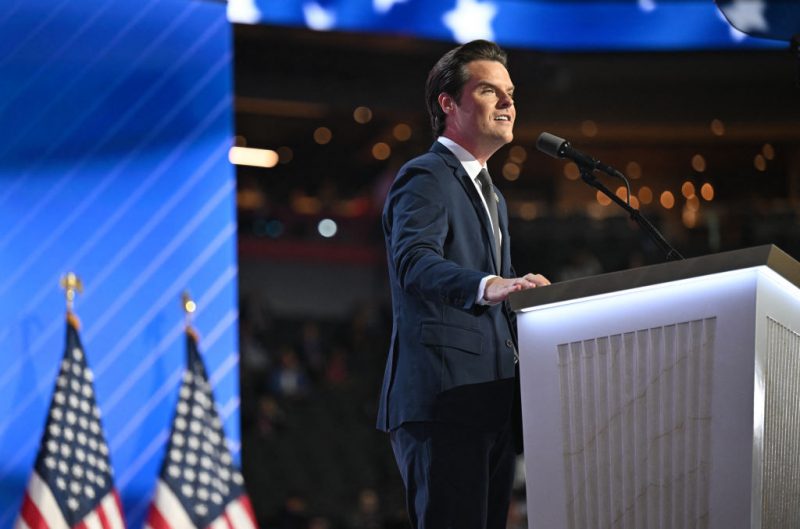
449 75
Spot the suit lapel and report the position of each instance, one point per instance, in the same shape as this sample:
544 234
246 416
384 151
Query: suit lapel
469 188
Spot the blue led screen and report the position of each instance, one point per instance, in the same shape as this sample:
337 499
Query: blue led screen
116 120
601 25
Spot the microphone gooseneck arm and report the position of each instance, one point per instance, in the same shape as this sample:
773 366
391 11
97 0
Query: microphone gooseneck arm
670 253
556 147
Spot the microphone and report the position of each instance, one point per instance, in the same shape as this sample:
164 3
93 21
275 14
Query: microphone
552 145
556 147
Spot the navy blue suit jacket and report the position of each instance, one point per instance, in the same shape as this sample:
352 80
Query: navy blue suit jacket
451 359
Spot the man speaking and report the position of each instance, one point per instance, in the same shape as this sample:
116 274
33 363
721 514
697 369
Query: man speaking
449 395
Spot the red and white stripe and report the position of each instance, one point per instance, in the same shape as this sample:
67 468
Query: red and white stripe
167 512
40 510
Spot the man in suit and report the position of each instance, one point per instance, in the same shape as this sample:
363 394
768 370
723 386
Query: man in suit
449 397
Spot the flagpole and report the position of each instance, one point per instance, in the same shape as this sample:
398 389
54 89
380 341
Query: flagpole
209 494
72 482
189 307
72 286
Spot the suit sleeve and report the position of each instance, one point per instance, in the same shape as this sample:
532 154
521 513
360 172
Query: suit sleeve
417 225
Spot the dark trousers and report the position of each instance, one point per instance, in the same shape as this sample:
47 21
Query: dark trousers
455 477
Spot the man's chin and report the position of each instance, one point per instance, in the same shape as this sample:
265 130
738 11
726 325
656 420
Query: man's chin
498 140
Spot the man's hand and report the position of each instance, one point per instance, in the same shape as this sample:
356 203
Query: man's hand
498 288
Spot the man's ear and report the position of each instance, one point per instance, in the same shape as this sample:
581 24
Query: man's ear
446 102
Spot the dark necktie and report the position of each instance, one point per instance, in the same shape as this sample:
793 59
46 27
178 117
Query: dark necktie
491 203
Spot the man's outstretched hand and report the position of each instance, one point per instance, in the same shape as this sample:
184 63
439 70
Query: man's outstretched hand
498 288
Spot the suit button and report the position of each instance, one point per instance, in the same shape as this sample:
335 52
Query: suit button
509 343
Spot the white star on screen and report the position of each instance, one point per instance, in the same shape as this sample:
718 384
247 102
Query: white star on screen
243 11
384 6
647 5
317 17
471 19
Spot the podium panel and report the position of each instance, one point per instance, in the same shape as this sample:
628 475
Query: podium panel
670 404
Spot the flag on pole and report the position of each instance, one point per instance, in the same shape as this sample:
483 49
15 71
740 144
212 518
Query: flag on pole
198 486
71 486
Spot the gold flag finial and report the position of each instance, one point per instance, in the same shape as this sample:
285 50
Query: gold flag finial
189 306
71 284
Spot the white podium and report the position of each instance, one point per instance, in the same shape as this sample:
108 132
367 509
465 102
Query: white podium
665 397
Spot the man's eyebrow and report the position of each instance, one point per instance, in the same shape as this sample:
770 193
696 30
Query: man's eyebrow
483 84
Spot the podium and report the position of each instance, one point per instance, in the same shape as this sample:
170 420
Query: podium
666 396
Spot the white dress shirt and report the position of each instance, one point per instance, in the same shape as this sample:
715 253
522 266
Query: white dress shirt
472 167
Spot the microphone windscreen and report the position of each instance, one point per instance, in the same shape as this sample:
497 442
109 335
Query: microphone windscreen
550 144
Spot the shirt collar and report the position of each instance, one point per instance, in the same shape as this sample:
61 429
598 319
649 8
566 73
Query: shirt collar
468 162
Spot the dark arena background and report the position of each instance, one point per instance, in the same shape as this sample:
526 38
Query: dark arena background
242 152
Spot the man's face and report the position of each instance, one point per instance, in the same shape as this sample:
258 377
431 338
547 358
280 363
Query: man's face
483 120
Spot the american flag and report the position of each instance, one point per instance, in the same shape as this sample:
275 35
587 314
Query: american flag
198 487
72 484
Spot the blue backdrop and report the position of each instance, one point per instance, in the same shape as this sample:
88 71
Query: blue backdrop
116 120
